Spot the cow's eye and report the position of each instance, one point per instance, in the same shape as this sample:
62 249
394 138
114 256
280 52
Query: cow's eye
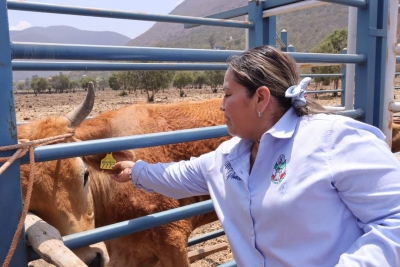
85 178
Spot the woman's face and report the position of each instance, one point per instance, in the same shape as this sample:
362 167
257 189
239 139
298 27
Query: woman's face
240 111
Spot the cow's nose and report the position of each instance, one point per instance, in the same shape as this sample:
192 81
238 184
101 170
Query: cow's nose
97 261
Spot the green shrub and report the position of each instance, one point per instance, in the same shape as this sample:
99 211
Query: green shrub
123 93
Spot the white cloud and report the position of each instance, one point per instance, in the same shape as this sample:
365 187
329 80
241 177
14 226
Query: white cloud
179 2
22 25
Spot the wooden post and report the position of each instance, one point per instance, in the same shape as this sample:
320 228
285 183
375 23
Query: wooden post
47 242
204 252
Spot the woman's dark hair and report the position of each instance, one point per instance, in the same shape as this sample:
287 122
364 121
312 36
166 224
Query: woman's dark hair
266 66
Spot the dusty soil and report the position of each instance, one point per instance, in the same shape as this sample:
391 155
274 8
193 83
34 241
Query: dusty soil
29 107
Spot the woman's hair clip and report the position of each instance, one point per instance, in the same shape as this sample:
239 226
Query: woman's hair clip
297 93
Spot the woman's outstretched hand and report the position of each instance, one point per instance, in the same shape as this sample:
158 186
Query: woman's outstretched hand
121 171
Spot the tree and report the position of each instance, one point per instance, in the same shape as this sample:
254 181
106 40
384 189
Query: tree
102 83
334 43
129 80
211 41
38 84
27 83
20 86
215 78
182 79
85 82
200 79
73 85
60 82
152 81
113 82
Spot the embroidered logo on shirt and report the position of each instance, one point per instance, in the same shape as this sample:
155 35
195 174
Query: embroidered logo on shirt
230 173
279 172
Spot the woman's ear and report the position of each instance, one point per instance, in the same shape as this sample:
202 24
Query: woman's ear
263 97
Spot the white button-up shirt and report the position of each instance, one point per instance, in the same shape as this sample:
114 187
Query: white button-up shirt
324 191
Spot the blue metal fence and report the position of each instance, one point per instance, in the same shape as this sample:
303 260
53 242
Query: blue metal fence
370 72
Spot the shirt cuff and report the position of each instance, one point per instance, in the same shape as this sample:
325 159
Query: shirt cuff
136 171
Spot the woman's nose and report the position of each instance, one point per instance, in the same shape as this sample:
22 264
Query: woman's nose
222 106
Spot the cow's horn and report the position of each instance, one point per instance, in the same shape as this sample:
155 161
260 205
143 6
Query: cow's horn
83 110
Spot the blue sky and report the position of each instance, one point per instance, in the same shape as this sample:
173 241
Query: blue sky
19 20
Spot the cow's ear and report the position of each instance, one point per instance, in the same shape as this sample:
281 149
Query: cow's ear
98 161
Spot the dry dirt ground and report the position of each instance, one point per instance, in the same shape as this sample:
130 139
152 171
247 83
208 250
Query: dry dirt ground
29 107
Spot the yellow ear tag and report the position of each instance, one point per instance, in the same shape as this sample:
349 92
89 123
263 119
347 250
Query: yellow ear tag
107 162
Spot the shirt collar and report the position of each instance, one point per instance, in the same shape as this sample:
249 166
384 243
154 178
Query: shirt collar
286 125
284 128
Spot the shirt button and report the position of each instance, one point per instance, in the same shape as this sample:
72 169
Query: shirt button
252 232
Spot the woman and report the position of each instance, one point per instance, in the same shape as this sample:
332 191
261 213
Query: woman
294 186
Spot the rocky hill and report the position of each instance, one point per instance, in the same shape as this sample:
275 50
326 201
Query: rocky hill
305 27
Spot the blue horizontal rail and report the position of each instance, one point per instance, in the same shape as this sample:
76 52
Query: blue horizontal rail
68 150
278 3
118 14
122 53
135 225
236 12
205 237
22 50
355 114
123 228
354 3
319 75
324 91
327 58
84 148
103 66
231 263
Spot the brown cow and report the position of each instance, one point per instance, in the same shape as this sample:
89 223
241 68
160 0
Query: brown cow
61 194
114 202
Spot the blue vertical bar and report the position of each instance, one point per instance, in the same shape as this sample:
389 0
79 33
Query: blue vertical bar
380 66
256 33
365 73
10 190
343 82
284 40
269 29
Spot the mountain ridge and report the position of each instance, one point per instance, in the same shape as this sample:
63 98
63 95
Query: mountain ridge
65 35
68 35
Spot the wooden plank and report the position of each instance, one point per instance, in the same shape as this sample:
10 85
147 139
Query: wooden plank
47 242
204 252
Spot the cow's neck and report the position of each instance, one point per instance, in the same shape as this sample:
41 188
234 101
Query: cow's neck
103 189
